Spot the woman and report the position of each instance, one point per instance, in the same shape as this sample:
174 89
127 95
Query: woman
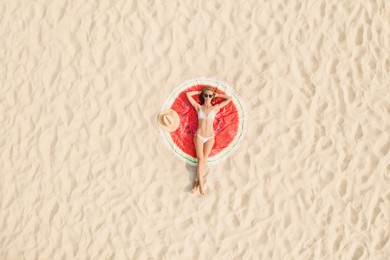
204 136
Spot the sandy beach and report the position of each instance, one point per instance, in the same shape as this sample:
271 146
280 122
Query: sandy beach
85 174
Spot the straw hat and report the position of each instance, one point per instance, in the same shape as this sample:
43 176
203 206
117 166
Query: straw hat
168 120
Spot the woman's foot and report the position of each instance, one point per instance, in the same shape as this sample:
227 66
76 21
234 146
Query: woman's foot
201 188
196 185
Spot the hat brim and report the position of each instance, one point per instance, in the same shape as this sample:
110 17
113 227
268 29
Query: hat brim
175 120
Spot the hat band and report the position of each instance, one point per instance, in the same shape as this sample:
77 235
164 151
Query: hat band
167 120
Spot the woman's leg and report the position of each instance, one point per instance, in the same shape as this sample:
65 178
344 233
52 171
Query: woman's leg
199 154
206 152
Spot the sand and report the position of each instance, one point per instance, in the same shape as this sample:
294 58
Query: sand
85 174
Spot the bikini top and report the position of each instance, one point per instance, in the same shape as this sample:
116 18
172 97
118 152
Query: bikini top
201 114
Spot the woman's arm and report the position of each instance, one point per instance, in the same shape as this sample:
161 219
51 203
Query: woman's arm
191 99
223 96
223 103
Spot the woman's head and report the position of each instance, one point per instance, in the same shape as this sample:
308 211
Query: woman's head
205 94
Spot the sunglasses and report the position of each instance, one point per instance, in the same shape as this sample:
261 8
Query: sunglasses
210 95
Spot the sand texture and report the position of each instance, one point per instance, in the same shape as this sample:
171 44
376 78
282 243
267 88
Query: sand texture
84 173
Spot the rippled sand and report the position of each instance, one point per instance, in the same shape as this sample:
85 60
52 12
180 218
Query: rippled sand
85 175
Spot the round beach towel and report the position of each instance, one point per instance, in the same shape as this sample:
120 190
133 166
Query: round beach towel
229 123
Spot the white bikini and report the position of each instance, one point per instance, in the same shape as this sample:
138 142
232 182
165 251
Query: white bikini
202 115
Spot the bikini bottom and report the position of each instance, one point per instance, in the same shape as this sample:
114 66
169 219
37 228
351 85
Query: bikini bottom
204 139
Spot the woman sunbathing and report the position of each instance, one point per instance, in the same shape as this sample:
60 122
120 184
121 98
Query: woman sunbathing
204 136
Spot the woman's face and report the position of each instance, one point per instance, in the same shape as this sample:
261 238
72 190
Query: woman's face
208 95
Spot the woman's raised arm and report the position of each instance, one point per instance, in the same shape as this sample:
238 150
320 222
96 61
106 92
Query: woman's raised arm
223 103
191 99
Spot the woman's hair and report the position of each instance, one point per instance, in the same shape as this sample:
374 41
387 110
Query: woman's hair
205 88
